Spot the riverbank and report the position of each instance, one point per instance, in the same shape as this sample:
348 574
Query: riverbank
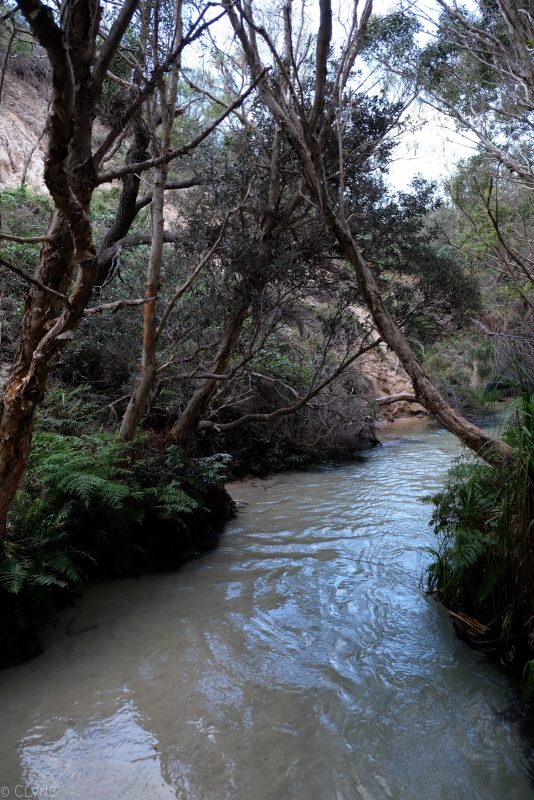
38 583
299 659
482 566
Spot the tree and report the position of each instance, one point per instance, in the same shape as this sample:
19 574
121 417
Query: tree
494 220
479 70
307 125
80 45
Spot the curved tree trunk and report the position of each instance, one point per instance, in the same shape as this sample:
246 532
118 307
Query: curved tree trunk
67 262
127 209
198 404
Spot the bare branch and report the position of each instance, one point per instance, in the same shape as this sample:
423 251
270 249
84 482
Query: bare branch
181 151
117 306
151 83
300 403
109 48
135 240
8 237
34 281
403 397
186 183
189 282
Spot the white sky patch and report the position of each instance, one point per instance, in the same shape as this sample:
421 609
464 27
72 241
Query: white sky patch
431 151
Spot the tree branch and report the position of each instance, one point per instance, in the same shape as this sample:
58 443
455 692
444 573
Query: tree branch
302 401
186 183
142 166
109 48
403 397
34 281
7 237
117 305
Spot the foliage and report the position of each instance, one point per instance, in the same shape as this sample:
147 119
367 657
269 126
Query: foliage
484 518
70 412
89 506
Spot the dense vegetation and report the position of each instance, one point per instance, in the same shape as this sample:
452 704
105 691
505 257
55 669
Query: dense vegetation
218 264
483 564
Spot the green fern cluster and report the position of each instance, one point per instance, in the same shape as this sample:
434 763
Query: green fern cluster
85 503
99 475
484 561
91 506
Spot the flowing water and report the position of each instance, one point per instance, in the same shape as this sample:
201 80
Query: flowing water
298 661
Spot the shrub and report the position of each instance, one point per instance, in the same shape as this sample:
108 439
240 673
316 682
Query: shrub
484 560
90 505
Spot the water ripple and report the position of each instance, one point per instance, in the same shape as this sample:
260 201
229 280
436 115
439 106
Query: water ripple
299 661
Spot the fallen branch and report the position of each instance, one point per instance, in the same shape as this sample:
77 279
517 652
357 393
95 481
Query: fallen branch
403 397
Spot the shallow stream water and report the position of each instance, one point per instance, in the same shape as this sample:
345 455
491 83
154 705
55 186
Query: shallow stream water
300 660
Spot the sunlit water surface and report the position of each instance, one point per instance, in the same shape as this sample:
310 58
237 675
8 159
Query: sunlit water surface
299 661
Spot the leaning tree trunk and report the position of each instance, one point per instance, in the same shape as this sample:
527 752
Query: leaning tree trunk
184 426
306 131
487 447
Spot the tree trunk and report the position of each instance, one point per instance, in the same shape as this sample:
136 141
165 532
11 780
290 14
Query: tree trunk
490 449
16 427
67 262
143 386
147 372
127 209
197 406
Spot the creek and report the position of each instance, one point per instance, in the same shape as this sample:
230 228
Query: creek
301 660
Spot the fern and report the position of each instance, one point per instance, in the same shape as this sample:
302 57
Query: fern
484 560
89 503
169 501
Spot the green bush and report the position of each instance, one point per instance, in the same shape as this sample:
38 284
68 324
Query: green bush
90 505
483 564
483 519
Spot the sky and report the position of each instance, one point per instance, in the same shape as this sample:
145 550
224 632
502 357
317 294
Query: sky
431 152
436 146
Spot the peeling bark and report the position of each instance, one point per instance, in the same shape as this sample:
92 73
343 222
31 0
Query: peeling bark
67 262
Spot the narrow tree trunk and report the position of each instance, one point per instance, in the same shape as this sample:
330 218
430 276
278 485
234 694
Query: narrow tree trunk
138 400
127 207
197 406
147 372
487 447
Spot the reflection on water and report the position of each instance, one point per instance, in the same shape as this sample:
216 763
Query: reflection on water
299 661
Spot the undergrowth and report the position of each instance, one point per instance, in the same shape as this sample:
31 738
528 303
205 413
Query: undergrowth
92 506
483 564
